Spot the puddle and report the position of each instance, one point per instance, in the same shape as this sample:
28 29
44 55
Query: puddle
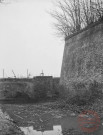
40 119
51 127
57 130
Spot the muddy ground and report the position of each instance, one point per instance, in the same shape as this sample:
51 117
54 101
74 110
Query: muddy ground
44 116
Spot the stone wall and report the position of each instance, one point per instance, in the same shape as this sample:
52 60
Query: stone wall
24 88
10 90
83 59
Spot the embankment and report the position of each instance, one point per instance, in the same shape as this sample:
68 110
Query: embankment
7 127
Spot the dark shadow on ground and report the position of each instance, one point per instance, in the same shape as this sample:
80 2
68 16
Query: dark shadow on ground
25 101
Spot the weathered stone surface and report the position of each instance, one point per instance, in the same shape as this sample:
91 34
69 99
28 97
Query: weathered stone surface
9 90
83 58
7 127
27 88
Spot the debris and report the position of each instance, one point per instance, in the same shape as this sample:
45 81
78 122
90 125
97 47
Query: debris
73 114
18 116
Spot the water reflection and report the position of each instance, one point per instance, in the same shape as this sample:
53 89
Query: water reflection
57 130
41 119
50 127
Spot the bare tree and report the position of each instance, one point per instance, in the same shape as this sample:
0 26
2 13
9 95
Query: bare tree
67 17
97 9
72 16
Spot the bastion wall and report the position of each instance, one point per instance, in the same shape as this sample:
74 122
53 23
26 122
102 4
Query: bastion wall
83 59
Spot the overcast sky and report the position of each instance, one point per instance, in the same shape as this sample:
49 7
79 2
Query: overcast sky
27 39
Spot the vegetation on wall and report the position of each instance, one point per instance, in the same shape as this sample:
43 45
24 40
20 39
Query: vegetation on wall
90 95
73 15
40 91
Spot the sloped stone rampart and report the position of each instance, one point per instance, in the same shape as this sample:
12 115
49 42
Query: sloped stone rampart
83 59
